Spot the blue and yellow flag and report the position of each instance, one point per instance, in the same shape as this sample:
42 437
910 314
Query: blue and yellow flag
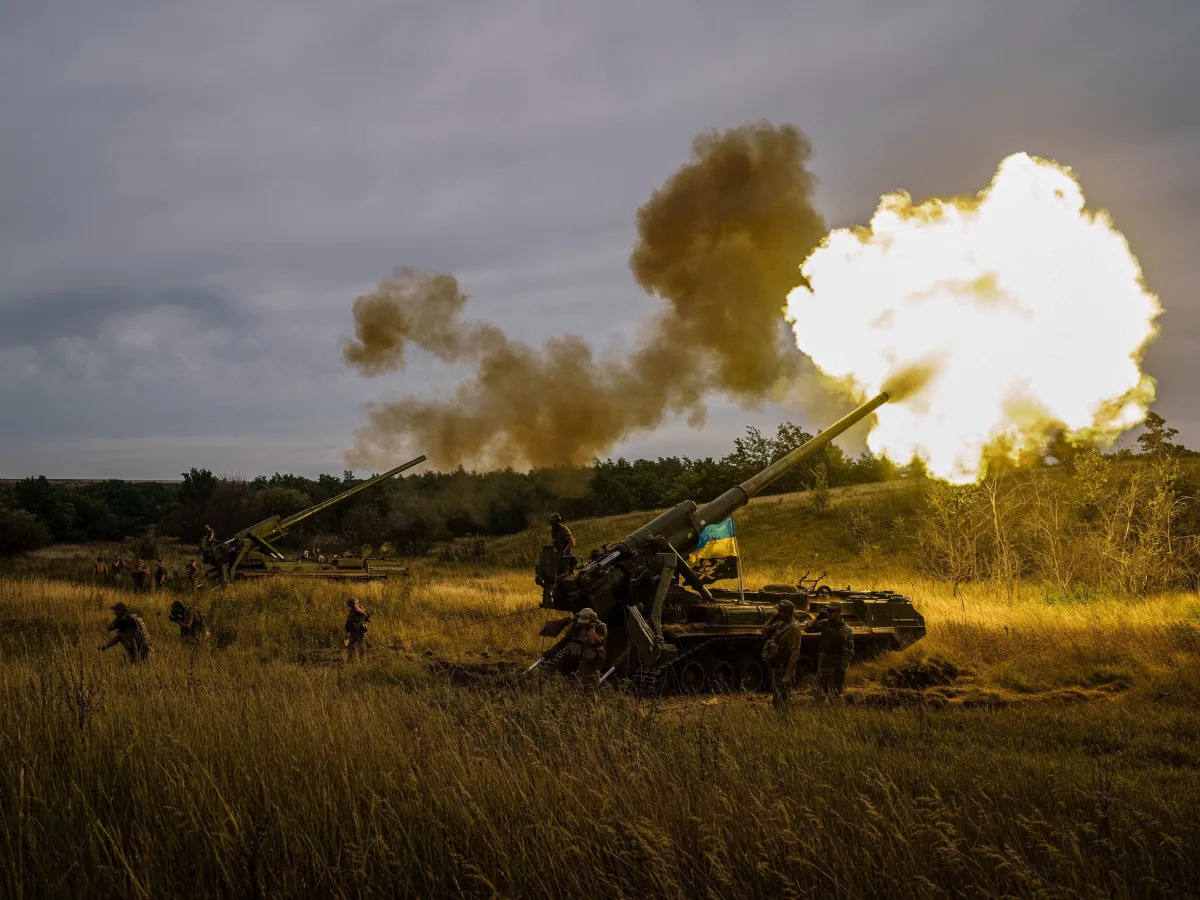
717 541
716 556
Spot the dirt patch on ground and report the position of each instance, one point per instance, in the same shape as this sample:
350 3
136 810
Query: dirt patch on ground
476 673
918 675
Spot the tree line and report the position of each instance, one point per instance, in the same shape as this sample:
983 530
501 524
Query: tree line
411 513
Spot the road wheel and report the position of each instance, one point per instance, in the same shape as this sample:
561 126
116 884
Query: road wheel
692 678
721 677
752 677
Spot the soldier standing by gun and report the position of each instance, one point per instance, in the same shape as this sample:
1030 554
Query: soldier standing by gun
562 540
130 634
586 637
835 650
188 618
356 629
782 651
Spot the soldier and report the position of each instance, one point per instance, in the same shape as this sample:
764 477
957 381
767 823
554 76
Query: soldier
209 538
835 649
188 618
160 576
356 628
193 574
140 576
100 569
130 634
560 536
586 636
782 651
118 567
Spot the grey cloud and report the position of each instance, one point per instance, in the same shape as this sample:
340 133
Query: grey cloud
250 169
84 311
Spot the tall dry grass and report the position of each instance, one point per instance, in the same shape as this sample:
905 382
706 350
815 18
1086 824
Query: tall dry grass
260 765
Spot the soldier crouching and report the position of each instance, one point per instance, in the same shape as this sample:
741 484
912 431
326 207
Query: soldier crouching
781 652
130 633
586 637
834 651
190 621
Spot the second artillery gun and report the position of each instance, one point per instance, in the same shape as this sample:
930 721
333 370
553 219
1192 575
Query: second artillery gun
252 553
663 620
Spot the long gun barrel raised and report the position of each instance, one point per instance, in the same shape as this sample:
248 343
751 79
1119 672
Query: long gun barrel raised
682 524
275 527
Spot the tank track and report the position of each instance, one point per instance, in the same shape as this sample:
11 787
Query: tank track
650 682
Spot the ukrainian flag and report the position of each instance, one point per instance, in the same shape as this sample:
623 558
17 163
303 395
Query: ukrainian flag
717 541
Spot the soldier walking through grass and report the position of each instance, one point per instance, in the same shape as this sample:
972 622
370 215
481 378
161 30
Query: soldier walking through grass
834 650
188 618
130 633
160 576
100 569
357 622
781 652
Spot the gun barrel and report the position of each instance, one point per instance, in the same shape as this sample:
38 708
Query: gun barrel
287 523
737 497
681 525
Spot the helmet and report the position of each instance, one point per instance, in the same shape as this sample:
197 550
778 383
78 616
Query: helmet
833 608
785 606
586 614
120 608
351 601
555 518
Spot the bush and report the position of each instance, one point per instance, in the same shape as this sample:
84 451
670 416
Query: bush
21 532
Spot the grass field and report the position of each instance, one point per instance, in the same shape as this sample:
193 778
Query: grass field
1062 760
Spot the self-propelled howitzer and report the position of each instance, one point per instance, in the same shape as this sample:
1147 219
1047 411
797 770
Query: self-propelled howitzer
252 549
662 617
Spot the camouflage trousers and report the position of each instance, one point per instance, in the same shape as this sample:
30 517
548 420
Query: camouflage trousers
356 645
781 693
830 683
137 653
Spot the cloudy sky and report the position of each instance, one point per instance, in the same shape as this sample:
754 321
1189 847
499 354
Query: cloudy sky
192 194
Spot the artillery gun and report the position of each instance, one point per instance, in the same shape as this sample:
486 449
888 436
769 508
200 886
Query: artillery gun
251 553
664 621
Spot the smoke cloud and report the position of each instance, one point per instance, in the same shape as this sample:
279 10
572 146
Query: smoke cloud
721 243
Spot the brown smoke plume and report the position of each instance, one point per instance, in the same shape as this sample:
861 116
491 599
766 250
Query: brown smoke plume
721 242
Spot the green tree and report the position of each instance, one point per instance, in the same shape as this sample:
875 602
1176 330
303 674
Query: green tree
1156 441
21 531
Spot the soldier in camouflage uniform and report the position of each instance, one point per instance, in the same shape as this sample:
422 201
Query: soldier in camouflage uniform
141 577
160 576
781 652
130 633
188 618
586 637
118 567
357 621
562 539
193 574
835 650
